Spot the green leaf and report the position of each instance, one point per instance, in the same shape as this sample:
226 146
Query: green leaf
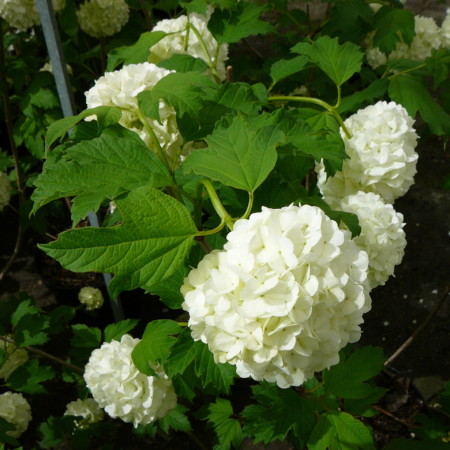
115 331
25 308
228 430
55 430
59 317
85 337
96 170
182 353
340 431
267 420
184 63
31 330
338 61
219 376
374 91
414 96
28 377
283 68
136 53
6 426
151 244
240 155
169 289
155 345
393 24
106 115
240 22
175 420
438 66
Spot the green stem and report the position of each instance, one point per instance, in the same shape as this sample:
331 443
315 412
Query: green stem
316 101
217 204
249 205
159 151
186 38
412 69
213 231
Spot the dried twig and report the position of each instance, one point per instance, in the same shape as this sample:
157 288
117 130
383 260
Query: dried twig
419 329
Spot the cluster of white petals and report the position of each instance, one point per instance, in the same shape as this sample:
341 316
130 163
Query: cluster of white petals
428 37
382 235
382 157
23 14
100 18
445 30
87 409
174 42
14 357
121 87
118 386
5 190
91 297
15 409
284 296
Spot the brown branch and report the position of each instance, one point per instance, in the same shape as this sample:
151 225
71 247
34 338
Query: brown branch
391 416
419 329
14 253
46 355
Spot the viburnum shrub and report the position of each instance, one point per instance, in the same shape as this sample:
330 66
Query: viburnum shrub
261 217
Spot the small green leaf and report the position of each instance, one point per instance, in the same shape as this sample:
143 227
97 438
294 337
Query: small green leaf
374 91
283 68
228 430
219 376
340 431
59 317
55 430
240 22
136 53
240 155
32 330
151 244
85 337
175 420
28 377
194 6
414 96
169 289
338 61
6 426
57 130
155 345
27 307
393 24
181 355
184 63
115 331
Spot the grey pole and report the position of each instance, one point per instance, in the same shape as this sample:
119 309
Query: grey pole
53 42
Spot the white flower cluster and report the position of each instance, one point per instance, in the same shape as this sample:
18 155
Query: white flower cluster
123 391
15 357
15 409
91 297
100 18
175 42
382 235
121 87
381 154
445 30
428 37
87 409
284 296
23 14
5 190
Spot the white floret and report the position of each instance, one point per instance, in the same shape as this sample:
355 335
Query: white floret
15 409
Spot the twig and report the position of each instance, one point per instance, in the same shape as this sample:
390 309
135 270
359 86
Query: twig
419 329
14 253
46 355
391 416
147 15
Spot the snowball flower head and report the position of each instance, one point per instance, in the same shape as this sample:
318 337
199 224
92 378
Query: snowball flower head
100 18
15 409
174 42
284 296
121 87
123 391
5 190
381 154
15 357
91 297
87 409
23 14
382 235
445 30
